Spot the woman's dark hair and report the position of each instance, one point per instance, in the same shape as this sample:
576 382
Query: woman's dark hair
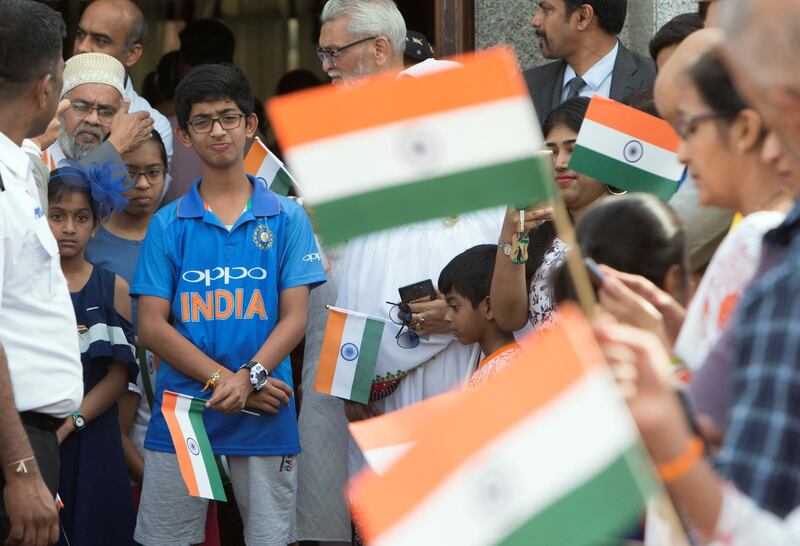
162 150
644 101
569 114
715 86
611 13
211 82
635 233
675 31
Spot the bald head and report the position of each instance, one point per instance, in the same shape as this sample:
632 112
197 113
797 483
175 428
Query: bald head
670 77
114 27
763 38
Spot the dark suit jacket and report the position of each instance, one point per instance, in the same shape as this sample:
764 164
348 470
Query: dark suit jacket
632 72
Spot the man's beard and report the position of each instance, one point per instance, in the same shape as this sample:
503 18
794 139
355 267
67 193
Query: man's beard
360 71
72 148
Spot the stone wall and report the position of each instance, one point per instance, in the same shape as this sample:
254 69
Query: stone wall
509 22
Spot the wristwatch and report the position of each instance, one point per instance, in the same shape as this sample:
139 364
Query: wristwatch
505 247
258 374
79 421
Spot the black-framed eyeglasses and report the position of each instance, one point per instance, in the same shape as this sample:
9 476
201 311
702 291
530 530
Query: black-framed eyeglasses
400 314
330 54
152 174
205 125
685 126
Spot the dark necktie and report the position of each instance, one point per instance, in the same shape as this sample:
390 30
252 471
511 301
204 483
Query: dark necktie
574 86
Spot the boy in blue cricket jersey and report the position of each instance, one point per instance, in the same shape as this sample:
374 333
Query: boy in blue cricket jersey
229 261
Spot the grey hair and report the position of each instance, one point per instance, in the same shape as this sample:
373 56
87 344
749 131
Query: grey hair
749 34
138 32
370 18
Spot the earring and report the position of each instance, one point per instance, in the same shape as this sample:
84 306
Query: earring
614 191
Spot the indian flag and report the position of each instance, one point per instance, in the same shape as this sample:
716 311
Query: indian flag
541 455
628 149
184 416
384 439
263 164
349 355
392 151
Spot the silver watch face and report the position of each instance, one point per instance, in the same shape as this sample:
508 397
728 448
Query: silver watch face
80 422
507 250
258 376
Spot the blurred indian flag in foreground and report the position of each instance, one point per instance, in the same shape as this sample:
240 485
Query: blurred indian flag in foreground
546 453
261 163
389 151
628 149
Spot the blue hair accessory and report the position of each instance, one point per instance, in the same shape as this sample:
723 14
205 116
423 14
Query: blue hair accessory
99 181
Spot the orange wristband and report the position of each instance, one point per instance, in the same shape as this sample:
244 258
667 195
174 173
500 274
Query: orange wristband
683 463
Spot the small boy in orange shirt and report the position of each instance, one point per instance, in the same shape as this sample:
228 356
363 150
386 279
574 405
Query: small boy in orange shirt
465 283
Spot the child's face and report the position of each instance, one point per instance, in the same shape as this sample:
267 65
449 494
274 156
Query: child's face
218 148
147 174
466 322
72 223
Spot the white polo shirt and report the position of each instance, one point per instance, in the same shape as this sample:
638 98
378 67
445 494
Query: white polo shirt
38 329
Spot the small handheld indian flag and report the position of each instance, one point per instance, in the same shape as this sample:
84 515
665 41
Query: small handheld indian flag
397 151
263 164
349 355
540 455
184 416
628 149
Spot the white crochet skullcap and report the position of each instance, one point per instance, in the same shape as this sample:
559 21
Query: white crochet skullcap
93 68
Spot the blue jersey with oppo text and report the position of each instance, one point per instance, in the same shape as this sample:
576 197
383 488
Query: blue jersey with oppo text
224 288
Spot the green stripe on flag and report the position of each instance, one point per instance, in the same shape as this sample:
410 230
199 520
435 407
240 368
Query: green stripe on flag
367 360
620 174
517 182
607 505
282 182
196 418
141 355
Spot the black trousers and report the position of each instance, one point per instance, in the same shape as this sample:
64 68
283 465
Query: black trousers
41 434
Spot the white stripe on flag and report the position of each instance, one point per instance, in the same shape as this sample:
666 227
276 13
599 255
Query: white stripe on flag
182 405
610 142
345 373
381 458
268 169
416 149
525 470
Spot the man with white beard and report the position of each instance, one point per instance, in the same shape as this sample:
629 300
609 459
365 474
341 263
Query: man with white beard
361 38
97 127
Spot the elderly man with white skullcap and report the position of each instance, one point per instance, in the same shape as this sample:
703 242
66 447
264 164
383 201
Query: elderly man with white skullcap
97 121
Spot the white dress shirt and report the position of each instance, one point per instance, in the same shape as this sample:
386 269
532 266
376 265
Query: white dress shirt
37 322
598 78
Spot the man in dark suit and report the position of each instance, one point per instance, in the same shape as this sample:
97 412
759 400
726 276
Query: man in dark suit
582 35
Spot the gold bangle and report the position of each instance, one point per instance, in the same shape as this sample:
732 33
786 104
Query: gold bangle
212 381
683 463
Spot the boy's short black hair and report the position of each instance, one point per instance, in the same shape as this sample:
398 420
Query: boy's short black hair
470 273
210 82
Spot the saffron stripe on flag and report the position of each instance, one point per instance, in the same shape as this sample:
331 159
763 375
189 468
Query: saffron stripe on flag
619 174
420 148
329 353
296 117
448 195
633 122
